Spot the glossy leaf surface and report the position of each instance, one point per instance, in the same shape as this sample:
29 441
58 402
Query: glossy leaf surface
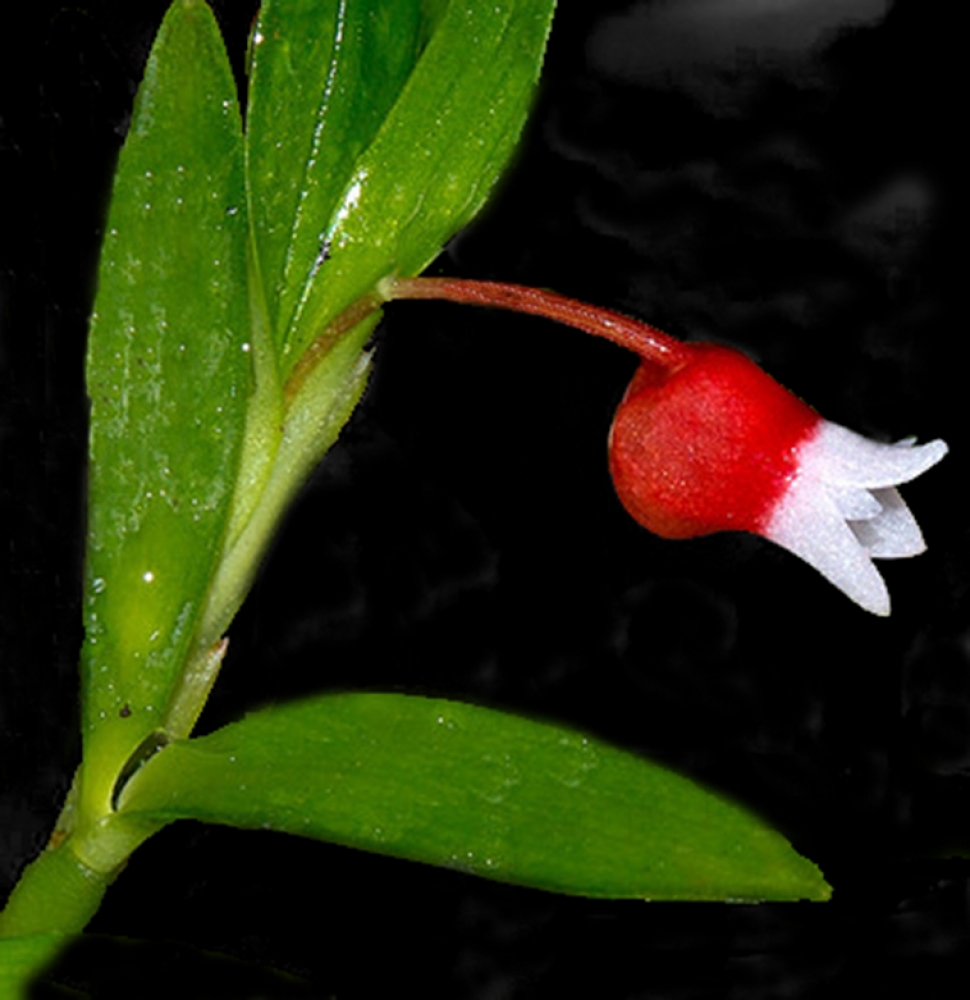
323 75
168 377
375 132
475 789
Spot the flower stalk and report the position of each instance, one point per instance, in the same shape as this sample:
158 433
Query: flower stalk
647 341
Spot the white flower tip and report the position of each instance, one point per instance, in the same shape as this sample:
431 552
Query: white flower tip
929 454
842 511
879 603
808 523
938 446
843 458
893 533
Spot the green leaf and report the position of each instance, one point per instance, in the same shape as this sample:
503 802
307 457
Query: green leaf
375 132
324 74
474 789
169 380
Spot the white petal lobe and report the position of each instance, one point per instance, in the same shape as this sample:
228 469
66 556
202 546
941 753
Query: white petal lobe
895 533
855 504
842 509
842 457
808 523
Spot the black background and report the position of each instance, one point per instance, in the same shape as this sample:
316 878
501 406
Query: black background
463 538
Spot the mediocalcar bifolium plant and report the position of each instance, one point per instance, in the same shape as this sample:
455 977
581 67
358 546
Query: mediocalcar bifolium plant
248 256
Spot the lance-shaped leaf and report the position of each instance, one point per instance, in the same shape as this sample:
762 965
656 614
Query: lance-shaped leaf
475 789
323 75
375 131
169 380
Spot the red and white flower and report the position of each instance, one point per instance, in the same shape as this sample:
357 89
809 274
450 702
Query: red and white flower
718 445
705 441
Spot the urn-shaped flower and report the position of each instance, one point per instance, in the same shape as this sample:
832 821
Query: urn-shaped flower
715 444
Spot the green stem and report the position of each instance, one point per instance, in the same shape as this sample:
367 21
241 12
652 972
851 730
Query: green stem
62 888
57 892
60 891
317 411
